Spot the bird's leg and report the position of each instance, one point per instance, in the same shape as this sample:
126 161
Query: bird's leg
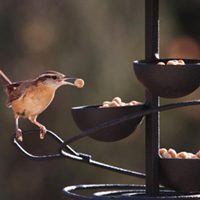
18 130
43 129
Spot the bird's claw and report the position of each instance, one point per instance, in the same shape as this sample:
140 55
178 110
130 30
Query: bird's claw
19 135
43 131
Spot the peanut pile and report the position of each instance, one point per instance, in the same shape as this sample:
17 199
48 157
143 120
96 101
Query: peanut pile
172 62
117 102
171 153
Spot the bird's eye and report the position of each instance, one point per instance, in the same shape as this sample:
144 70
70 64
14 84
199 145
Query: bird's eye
54 77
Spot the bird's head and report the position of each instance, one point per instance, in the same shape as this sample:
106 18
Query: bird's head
56 79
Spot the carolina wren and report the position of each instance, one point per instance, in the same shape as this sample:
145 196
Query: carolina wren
29 98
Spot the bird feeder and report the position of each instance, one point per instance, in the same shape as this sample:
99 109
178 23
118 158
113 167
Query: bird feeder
165 178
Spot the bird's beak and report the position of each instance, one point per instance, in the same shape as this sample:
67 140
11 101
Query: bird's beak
69 81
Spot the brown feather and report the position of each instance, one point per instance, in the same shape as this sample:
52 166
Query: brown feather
17 90
33 101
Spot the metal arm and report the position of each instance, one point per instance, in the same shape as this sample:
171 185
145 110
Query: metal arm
67 152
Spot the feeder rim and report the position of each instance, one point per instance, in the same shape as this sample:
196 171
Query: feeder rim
97 106
196 62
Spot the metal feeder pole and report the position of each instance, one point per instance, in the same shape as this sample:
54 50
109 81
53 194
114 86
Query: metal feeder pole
152 136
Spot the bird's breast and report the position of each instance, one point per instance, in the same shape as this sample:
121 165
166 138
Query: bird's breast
35 100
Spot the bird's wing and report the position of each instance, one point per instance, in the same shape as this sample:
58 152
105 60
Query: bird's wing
16 90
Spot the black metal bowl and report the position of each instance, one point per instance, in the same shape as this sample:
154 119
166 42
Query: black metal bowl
180 174
87 117
170 81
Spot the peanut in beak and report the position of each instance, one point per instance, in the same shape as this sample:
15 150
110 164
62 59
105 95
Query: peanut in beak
79 83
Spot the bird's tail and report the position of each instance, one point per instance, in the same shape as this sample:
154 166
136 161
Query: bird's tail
4 79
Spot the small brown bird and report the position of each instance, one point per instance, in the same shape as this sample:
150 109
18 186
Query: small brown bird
29 98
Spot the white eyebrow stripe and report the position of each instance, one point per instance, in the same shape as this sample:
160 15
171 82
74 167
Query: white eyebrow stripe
43 75
51 73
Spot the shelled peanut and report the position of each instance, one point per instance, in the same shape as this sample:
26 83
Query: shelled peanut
117 102
171 153
172 62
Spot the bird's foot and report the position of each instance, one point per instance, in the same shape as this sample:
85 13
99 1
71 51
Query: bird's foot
43 131
19 135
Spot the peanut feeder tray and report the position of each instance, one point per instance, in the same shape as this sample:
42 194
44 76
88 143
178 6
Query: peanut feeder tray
180 179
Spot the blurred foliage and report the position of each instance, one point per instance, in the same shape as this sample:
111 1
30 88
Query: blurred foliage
96 40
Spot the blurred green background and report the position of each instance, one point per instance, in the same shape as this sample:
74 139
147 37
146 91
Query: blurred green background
96 40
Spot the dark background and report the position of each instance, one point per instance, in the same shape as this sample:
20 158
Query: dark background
96 40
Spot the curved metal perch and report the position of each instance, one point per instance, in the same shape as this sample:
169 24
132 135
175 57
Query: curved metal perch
42 157
67 152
